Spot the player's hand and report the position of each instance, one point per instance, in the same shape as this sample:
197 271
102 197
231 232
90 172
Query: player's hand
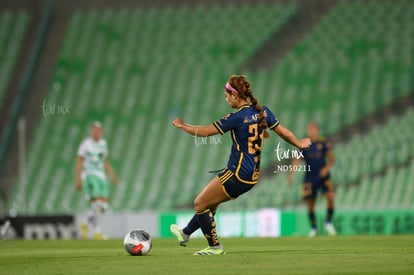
323 172
178 122
79 184
305 143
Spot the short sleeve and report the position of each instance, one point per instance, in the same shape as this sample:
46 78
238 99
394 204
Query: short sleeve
82 149
272 121
227 123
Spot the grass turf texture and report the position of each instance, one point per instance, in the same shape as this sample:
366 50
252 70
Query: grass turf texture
320 255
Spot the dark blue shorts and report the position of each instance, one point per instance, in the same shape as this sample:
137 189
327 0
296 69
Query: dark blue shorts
311 186
231 185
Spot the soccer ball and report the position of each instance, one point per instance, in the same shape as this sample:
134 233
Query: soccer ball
137 242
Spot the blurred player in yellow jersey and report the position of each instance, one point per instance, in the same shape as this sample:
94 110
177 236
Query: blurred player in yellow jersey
91 164
319 158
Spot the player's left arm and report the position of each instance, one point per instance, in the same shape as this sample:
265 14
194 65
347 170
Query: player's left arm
200 131
284 132
331 160
290 137
110 171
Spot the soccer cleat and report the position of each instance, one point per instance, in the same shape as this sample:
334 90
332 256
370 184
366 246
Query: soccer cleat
83 230
330 229
178 232
100 236
210 250
313 233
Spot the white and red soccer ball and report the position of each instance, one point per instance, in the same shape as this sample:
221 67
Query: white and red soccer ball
137 242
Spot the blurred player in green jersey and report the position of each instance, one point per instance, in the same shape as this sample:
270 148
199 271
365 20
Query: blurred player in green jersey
92 164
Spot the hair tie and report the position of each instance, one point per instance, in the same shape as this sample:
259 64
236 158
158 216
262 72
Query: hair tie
231 89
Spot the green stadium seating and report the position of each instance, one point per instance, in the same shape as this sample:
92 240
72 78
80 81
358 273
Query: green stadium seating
357 59
13 27
135 73
391 191
370 171
377 150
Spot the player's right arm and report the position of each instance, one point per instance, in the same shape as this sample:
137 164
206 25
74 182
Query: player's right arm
201 131
78 170
288 136
284 132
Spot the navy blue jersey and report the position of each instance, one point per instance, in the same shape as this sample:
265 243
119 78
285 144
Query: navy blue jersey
315 156
247 138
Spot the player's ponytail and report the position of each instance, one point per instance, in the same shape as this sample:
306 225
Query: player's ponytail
242 86
262 116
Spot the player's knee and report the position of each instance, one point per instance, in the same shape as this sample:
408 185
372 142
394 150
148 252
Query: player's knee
199 205
311 205
99 206
330 195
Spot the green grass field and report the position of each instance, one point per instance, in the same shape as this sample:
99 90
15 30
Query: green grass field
321 255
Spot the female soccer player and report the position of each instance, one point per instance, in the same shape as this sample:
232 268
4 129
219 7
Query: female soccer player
91 164
317 177
247 126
